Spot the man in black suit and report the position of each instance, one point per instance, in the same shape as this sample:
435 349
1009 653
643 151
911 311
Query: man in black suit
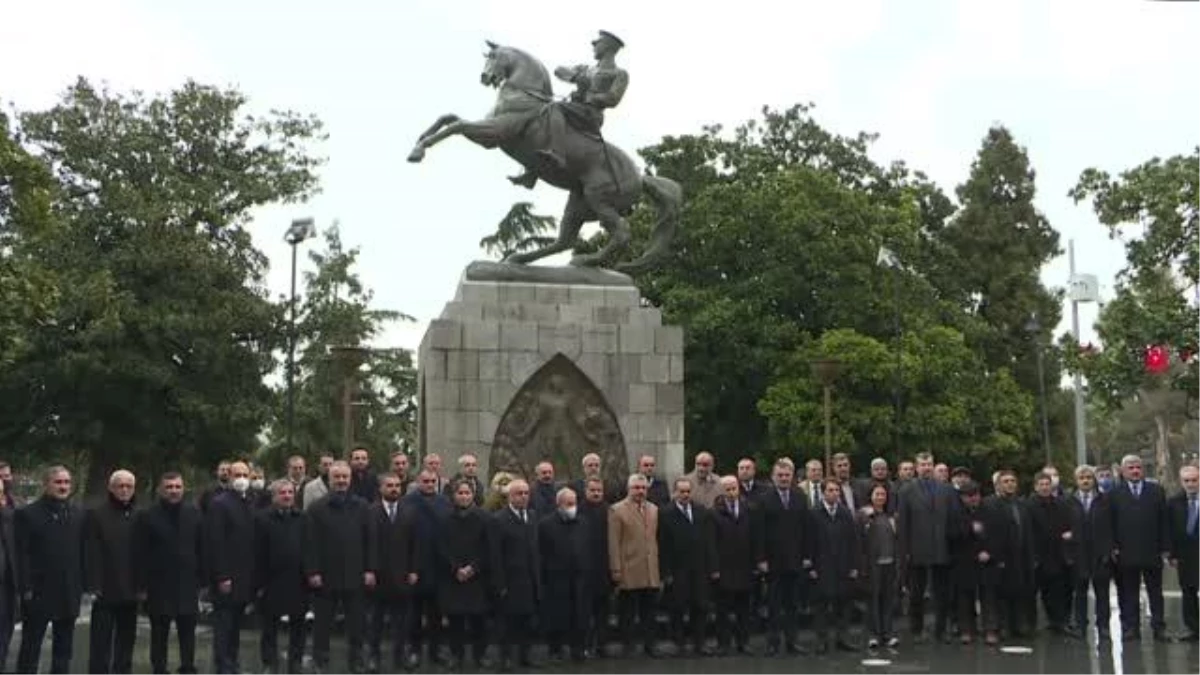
362 479
1140 543
1018 602
738 533
229 532
279 568
397 550
923 522
107 551
341 556
49 538
544 491
8 576
1092 528
836 562
786 539
750 487
468 472
168 566
593 513
1184 518
515 575
687 558
657 492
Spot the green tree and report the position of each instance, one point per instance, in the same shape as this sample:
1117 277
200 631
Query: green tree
518 231
164 331
777 245
1000 242
336 311
1151 306
28 289
954 407
1149 309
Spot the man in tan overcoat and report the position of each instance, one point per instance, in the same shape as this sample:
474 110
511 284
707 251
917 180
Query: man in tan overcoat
633 563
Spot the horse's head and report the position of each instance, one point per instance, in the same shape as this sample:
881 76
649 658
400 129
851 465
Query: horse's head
497 65
510 65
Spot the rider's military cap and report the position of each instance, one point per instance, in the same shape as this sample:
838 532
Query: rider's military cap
607 35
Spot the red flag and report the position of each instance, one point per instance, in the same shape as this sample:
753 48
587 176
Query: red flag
1157 359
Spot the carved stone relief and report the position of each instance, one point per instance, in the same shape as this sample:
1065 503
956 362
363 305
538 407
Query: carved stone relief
559 416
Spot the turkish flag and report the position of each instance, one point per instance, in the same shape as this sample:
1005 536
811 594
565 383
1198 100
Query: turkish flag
1157 359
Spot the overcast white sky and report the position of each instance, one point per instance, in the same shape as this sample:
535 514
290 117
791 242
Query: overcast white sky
1106 83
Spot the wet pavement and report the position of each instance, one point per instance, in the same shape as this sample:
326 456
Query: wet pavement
1042 654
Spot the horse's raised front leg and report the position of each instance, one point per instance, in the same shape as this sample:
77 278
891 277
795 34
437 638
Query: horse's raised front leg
427 139
574 216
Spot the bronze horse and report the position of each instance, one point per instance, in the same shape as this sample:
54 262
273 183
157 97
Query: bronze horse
603 181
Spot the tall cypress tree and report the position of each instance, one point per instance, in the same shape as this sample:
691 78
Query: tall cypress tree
1001 242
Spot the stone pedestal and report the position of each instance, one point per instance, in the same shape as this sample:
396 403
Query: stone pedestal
574 367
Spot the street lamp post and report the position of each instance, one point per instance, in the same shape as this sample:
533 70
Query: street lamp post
349 358
298 231
1033 327
826 371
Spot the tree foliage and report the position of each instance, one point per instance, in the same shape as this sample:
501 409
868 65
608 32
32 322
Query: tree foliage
336 311
776 257
28 289
952 406
1150 308
518 231
163 331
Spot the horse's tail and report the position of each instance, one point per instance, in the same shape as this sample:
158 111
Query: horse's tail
667 197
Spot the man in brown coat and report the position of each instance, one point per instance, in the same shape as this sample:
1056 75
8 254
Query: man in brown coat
633 563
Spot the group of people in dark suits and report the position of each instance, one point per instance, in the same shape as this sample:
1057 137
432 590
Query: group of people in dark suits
422 563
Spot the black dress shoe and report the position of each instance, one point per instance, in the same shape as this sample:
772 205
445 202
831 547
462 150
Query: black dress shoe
797 649
772 650
744 650
845 646
1190 637
821 648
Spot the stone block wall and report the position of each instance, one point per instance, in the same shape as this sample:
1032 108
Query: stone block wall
493 336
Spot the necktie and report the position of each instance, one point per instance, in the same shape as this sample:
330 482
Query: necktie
1087 502
735 509
524 517
391 512
784 496
1193 516
814 492
1137 489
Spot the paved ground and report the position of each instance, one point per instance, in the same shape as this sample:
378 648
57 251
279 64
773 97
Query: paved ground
1046 654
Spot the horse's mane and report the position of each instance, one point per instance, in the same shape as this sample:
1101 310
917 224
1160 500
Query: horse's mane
547 86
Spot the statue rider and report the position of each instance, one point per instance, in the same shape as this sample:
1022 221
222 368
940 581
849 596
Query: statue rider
597 87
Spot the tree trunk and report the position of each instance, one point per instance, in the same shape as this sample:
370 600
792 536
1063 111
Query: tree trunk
1162 462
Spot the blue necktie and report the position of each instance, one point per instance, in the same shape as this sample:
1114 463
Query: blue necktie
1193 516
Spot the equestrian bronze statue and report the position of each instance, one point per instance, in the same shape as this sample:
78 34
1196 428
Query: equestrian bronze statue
559 143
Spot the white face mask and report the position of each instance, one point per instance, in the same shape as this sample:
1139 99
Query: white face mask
258 483
240 484
570 512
